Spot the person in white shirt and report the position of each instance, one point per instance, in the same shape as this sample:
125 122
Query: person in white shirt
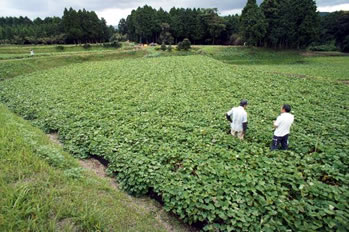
282 124
237 117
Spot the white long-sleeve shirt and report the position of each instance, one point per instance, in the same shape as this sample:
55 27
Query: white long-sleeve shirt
283 124
238 116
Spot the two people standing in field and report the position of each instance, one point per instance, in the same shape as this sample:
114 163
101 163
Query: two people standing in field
237 117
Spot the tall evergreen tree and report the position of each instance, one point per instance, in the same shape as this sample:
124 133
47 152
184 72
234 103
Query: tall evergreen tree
232 23
198 32
253 24
122 26
272 12
307 21
165 35
342 32
71 26
215 25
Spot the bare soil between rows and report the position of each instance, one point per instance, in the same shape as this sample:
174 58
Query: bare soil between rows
169 221
346 82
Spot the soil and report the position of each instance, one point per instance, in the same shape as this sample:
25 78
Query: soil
302 76
346 82
54 138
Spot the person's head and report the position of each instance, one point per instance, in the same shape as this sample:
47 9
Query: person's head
243 103
286 108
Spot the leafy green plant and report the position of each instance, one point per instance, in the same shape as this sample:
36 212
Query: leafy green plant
86 46
60 48
186 44
113 44
160 125
163 46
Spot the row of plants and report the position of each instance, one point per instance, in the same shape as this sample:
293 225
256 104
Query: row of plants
185 45
160 124
87 46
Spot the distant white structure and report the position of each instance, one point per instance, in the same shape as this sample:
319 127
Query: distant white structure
32 52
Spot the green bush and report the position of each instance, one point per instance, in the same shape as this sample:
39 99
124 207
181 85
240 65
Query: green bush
60 48
113 44
184 45
118 37
163 47
86 46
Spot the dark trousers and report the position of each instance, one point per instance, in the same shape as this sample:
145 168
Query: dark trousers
277 141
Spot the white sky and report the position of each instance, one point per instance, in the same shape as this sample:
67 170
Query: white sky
114 10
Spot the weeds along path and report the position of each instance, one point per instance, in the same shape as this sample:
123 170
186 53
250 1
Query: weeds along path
168 221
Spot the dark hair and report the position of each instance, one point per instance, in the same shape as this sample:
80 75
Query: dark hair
287 108
243 102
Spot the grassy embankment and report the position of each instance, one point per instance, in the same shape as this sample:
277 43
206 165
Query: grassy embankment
43 188
321 66
15 60
23 51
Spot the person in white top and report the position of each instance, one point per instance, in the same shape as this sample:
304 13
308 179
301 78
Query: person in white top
282 128
237 117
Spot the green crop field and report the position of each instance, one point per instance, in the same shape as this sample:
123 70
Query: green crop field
160 124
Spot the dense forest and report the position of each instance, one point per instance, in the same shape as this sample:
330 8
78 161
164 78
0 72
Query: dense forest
74 27
275 23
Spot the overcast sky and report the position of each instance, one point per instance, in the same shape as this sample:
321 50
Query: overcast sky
114 10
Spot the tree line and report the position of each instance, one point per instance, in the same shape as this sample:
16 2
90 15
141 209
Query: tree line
200 26
290 24
293 24
74 27
334 31
282 24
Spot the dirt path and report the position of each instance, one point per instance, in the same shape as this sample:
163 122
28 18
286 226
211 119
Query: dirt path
167 220
346 82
